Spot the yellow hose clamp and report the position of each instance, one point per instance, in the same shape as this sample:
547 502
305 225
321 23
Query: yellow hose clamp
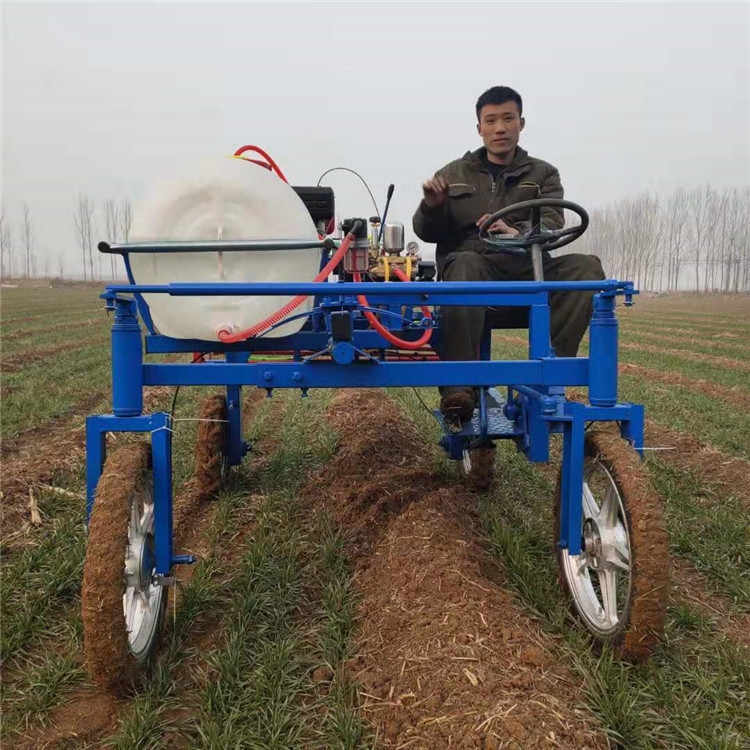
386 269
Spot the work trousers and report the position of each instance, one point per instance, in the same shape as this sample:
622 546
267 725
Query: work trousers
570 312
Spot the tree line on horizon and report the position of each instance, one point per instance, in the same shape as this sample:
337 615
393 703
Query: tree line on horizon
695 239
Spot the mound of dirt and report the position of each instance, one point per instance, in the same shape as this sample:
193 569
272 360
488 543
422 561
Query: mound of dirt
730 473
379 468
712 390
40 455
87 716
446 658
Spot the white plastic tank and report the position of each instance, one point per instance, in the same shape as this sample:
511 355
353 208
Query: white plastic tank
231 200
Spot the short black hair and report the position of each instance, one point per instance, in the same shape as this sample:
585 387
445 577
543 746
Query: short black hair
499 95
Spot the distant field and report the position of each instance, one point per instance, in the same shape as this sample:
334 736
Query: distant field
279 635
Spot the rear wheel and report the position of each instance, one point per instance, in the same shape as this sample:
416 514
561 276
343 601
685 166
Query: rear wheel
477 466
122 606
211 447
618 584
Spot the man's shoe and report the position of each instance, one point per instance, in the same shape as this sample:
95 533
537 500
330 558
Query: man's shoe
458 404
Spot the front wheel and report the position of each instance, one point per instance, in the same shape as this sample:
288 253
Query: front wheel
122 606
618 584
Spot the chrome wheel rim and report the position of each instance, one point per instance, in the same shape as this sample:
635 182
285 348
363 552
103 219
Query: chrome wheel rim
142 598
600 578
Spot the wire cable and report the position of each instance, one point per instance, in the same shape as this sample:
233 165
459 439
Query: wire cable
364 182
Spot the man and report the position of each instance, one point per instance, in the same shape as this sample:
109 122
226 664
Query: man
500 174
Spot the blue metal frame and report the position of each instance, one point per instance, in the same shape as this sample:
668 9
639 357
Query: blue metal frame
534 409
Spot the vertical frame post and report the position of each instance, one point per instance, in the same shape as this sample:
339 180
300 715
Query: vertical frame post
603 352
633 429
127 360
571 490
234 431
539 328
96 454
161 454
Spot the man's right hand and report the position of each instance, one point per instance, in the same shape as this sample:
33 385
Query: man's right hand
435 192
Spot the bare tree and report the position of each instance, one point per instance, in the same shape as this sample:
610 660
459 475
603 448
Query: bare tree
699 202
126 218
84 224
6 245
27 237
659 241
677 235
111 224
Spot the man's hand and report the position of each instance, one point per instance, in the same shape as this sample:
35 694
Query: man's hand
499 227
435 192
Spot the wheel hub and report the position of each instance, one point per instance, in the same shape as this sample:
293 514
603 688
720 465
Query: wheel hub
139 564
592 544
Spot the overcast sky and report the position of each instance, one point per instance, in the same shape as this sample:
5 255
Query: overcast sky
621 97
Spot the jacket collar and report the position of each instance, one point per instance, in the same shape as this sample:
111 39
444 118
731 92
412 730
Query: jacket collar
520 159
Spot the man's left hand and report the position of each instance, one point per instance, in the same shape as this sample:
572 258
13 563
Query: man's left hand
499 227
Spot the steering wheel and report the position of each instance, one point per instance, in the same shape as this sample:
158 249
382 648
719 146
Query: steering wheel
535 235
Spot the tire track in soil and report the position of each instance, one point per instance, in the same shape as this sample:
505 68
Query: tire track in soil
687 584
16 362
729 395
58 327
446 657
679 335
72 724
728 473
727 362
39 455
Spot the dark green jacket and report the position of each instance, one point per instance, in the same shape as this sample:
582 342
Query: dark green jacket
452 226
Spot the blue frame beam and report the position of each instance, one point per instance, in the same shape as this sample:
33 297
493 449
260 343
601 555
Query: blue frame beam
365 374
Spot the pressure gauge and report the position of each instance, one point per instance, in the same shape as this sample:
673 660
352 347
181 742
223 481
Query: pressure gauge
412 248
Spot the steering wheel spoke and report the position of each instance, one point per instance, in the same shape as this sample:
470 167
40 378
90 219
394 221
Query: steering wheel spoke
551 240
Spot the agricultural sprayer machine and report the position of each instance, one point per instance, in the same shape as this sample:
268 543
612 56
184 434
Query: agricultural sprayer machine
217 273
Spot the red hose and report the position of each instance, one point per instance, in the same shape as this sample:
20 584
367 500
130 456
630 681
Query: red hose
232 338
383 331
258 150
226 337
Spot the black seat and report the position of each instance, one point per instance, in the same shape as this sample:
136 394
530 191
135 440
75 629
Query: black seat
507 317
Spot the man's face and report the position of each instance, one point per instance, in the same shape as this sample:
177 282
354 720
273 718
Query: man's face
500 126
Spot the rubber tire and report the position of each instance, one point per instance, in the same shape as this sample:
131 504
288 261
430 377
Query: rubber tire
482 473
211 462
109 658
643 621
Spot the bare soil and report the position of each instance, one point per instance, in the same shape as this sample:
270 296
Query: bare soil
58 327
696 306
728 473
40 455
732 396
687 584
15 362
446 657
84 718
682 337
723 362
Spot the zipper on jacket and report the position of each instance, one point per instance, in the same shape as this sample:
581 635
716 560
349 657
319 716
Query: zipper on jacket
493 191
